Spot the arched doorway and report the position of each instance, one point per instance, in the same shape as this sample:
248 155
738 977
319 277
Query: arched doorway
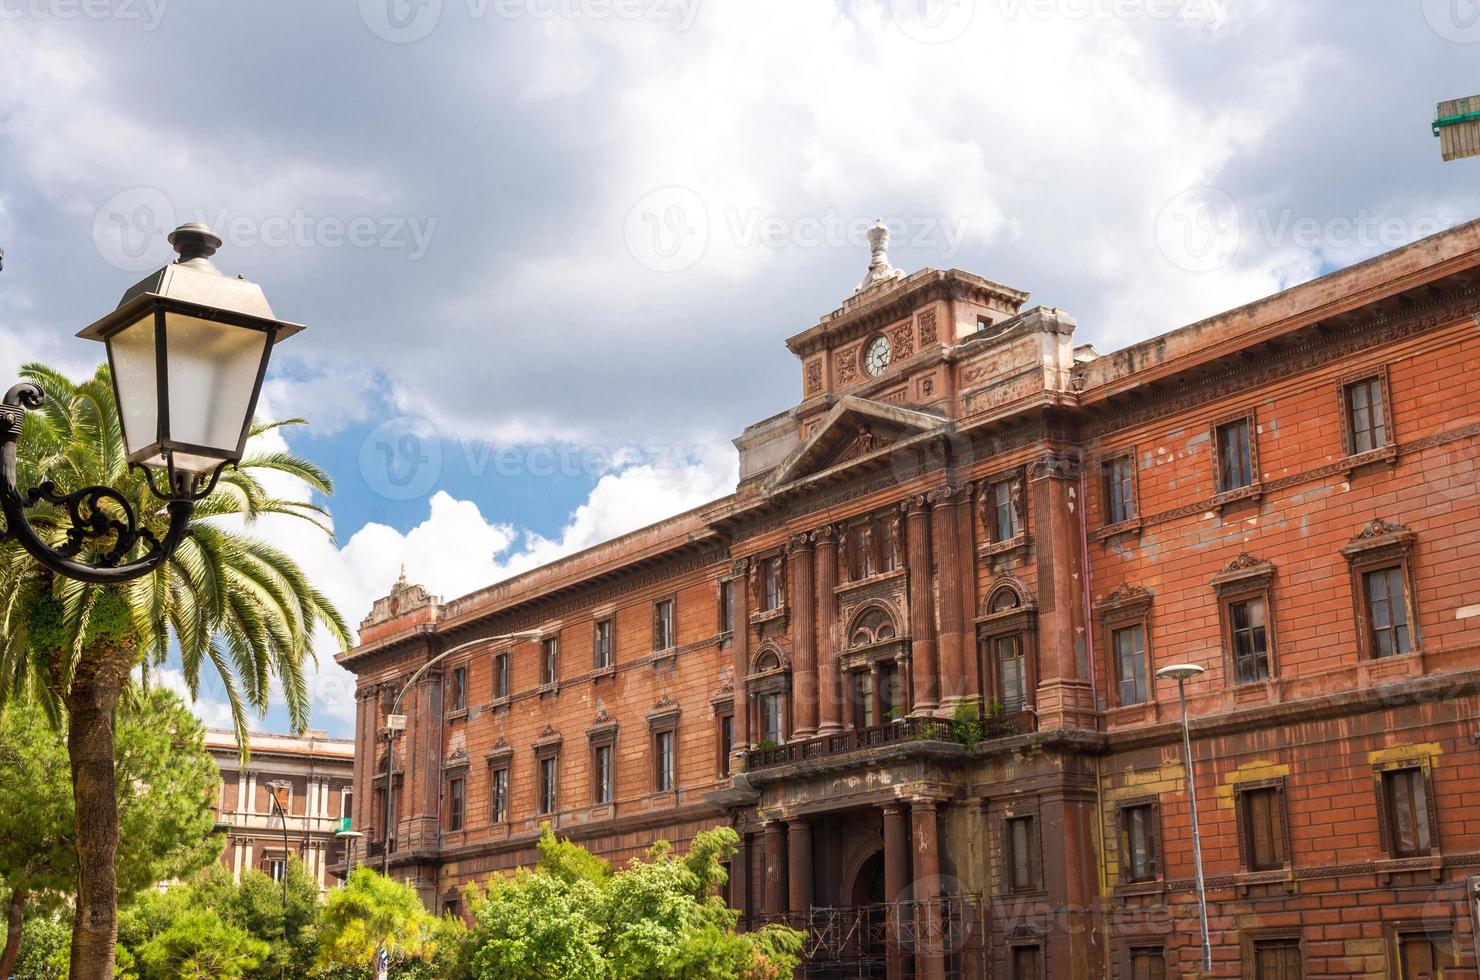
871 912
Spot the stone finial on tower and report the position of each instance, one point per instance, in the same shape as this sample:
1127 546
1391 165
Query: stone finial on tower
879 269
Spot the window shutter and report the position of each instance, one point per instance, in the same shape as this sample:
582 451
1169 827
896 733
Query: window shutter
1384 811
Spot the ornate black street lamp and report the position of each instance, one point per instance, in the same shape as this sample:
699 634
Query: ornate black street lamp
188 348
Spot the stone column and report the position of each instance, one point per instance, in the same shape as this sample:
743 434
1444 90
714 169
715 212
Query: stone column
804 696
799 868
774 887
740 878
944 502
929 956
924 667
740 643
896 881
1064 698
829 681
251 806
966 526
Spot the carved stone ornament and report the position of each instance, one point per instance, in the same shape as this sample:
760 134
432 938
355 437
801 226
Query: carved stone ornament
1124 597
879 269
458 758
1379 528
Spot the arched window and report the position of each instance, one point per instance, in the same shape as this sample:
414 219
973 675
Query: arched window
873 626
767 661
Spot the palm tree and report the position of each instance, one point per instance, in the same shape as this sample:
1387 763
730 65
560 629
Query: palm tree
228 601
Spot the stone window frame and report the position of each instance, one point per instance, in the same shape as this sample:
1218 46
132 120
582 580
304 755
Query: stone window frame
1282 809
1127 606
1158 867
1015 943
457 778
501 757
549 676
459 674
773 680
1131 523
603 735
503 668
1020 620
1028 810
1132 945
884 532
724 759
986 511
547 748
723 624
1380 770
1382 545
1254 489
1244 578
1250 939
599 669
1389 449
663 720
671 600
1396 931
771 567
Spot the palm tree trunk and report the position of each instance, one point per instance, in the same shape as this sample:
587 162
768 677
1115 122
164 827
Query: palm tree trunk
90 704
14 922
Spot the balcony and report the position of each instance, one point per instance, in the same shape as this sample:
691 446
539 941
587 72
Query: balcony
917 729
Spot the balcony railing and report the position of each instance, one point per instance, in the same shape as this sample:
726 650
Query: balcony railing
859 940
916 729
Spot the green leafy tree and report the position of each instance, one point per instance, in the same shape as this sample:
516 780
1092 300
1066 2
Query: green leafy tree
165 777
45 948
660 918
229 602
199 945
371 912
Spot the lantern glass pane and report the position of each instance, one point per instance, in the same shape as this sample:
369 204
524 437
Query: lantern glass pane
134 378
212 375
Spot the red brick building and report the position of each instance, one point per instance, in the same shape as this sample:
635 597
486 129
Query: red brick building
966 508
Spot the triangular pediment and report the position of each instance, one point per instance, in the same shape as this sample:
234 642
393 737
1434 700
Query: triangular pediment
854 429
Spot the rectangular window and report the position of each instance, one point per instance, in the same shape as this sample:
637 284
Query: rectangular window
1387 612
1263 825
1027 963
549 777
346 803
663 761
1148 964
771 574
727 606
1424 955
663 625
602 644
602 783
1406 799
1002 497
1120 493
500 676
770 710
890 695
1138 842
498 795
1130 664
1022 846
459 688
1235 459
862 690
1246 620
276 866
455 802
726 724
1012 678
549 661
1366 419
1277 959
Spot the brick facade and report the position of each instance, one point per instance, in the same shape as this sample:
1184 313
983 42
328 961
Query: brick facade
1283 494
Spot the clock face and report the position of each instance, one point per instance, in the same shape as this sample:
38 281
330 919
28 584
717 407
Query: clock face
876 357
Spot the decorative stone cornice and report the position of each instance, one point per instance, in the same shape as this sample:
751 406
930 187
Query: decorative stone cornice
1055 465
664 709
1243 571
1379 535
1125 597
457 759
501 750
549 736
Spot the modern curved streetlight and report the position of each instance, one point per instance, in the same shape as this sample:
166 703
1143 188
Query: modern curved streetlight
188 348
395 721
1182 673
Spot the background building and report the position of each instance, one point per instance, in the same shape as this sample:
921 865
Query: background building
313 773
967 508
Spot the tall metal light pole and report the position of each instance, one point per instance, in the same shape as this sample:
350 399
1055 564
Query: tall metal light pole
1181 673
277 807
394 718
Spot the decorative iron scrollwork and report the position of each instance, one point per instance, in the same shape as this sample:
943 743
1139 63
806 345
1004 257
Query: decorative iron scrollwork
90 520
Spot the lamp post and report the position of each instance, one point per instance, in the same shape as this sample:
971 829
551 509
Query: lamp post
394 718
277 807
1181 673
188 348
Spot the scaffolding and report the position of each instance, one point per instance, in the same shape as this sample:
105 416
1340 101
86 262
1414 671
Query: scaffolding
857 942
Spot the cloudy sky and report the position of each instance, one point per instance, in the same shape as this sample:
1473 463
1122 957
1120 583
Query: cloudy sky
548 250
